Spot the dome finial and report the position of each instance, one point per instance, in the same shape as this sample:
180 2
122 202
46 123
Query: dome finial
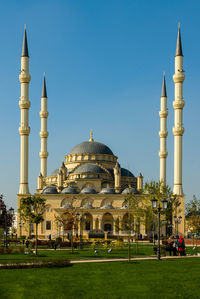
91 136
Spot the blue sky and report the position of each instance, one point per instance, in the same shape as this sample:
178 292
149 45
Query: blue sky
104 62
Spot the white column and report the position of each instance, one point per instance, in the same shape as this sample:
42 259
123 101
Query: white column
44 133
24 128
163 134
178 129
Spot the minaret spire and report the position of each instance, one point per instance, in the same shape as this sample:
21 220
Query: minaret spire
44 133
24 128
164 90
179 51
25 44
178 105
44 90
163 132
91 136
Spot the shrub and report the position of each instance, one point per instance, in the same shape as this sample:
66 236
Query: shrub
9 250
21 249
93 245
2 250
37 264
58 239
105 245
118 244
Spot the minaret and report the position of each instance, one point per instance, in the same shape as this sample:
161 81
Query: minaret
140 182
24 128
163 132
178 105
117 175
40 182
44 133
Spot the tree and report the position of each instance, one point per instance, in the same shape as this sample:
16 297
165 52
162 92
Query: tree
31 210
193 215
160 191
136 212
5 211
69 222
60 223
6 219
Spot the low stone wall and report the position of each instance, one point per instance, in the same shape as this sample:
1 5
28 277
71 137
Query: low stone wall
192 242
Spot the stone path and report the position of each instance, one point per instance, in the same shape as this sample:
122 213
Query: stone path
132 259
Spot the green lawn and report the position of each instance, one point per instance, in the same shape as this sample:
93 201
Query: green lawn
142 279
67 254
145 250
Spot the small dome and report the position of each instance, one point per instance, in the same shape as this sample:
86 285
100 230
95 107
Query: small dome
91 147
108 190
126 172
129 191
69 190
51 189
88 168
88 190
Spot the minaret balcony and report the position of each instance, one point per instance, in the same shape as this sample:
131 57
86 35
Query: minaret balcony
178 77
163 114
44 114
163 134
163 154
24 78
44 154
24 104
178 104
178 131
24 130
44 134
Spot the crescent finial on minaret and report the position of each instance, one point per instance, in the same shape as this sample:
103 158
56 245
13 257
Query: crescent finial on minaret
91 136
179 51
25 44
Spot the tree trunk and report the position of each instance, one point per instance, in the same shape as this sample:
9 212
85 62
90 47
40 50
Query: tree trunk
129 249
72 245
36 237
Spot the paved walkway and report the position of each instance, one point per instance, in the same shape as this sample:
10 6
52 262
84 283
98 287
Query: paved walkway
132 259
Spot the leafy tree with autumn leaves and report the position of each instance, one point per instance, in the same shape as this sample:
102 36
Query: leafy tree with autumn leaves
68 222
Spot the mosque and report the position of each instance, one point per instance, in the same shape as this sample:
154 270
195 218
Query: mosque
90 179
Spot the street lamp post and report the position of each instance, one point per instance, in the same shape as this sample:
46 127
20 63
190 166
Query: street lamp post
5 214
177 221
157 210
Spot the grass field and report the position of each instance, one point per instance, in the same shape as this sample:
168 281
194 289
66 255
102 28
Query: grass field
77 254
143 250
142 279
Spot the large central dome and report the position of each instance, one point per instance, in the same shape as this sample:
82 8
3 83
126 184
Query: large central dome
91 147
